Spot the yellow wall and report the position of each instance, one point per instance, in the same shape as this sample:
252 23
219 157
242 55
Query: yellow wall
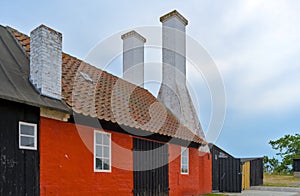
246 175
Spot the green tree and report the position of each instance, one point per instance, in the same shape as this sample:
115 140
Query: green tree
270 165
289 148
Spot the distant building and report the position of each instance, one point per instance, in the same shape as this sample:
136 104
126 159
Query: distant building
230 174
296 167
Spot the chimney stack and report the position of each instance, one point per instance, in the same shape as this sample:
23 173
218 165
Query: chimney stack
46 61
173 92
173 48
133 58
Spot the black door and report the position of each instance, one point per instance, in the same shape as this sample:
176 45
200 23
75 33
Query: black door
230 175
256 172
150 163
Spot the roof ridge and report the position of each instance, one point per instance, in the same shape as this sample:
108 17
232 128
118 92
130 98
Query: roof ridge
11 30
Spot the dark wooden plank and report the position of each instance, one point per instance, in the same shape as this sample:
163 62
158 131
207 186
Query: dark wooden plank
150 168
256 172
19 169
230 175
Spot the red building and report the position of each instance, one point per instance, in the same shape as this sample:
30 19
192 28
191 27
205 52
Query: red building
117 139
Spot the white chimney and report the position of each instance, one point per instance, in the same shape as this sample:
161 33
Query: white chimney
173 92
174 48
46 61
133 58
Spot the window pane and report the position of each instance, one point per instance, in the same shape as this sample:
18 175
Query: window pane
184 160
106 164
98 138
184 166
102 151
27 141
99 164
106 139
184 170
99 151
106 152
26 129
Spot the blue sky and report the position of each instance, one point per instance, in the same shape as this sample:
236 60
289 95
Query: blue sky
254 43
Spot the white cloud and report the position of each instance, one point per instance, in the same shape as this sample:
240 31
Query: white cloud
260 65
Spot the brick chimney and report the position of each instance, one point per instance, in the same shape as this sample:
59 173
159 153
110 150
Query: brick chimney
173 92
133 58
46 61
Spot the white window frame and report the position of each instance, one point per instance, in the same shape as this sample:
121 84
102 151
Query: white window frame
25 135
187 160
95 155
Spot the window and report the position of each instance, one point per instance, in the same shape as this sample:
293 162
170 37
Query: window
184 160
27 136
102 151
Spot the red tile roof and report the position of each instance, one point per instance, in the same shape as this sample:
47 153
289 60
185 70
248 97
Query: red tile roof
96 93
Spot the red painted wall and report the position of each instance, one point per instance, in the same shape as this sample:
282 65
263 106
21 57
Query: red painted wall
67 167
67 164
197 182
205 163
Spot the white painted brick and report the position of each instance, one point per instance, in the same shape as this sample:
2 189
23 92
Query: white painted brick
173 93
133 58
46 61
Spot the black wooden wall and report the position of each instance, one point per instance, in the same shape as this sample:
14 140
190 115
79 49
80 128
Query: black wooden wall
19 169
256 172
230 175
226 171
296 165
215 169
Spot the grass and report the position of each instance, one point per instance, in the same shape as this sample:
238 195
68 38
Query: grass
281 180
